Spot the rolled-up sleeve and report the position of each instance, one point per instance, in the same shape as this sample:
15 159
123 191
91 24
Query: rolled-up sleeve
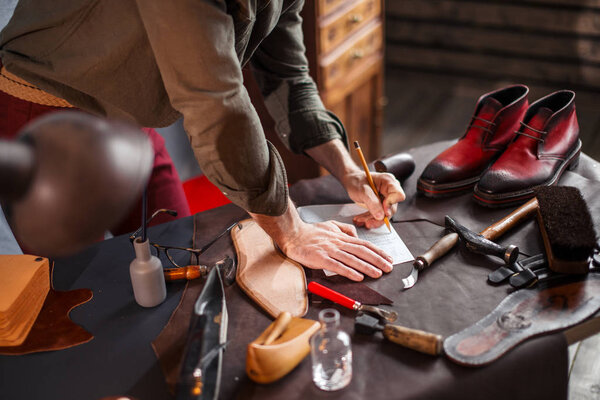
281 70
194 46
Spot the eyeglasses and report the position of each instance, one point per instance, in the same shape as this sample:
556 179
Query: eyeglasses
179 257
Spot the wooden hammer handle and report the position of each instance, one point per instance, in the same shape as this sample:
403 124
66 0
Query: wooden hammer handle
438 249
497 229
414 339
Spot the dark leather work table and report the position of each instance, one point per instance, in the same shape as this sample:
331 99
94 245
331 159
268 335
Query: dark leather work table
449 297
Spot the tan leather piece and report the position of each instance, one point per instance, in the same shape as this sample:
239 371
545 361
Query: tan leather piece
21 89
24 285
53 329
272 280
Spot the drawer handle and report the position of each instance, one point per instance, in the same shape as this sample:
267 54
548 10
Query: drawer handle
357 54
355 18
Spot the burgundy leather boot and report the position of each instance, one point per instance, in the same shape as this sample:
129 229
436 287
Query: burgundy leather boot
546 144
493 125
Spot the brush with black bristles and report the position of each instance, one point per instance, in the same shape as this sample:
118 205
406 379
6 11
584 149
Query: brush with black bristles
567 228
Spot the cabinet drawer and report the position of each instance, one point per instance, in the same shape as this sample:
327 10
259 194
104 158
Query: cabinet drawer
326 6
352 54
338 26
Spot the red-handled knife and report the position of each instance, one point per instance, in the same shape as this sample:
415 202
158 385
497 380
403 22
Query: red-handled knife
347 302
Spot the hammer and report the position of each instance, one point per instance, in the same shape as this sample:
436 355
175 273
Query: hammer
479 244
447 242
414 339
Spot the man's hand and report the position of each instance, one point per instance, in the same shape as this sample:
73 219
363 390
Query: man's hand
360 192
336 159
329 245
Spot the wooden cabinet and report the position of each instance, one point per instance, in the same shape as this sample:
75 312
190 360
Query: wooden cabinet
344 46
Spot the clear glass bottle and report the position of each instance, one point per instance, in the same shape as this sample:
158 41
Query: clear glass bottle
331 353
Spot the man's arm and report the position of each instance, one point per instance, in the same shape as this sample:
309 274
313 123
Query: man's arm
193 42
303 123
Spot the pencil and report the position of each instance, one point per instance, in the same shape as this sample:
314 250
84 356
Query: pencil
370 179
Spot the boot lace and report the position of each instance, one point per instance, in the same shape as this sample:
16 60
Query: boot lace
539 139
484 128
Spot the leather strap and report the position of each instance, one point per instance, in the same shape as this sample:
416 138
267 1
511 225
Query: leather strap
21 89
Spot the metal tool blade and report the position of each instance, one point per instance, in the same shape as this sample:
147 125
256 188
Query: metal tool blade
388 315
411 279
228 269
201 369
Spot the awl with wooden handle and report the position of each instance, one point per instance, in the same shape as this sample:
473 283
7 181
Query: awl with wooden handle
448 241
424 342
347 302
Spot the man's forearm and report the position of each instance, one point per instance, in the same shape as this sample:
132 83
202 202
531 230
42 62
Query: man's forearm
334 157
279 227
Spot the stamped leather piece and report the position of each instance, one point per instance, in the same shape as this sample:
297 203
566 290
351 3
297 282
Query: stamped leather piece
53 329
523 315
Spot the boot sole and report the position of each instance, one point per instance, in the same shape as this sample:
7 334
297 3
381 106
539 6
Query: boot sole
446 189
518 197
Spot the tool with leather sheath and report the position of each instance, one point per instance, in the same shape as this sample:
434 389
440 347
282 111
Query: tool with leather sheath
352 304
200 373
535 274
522 268
447 242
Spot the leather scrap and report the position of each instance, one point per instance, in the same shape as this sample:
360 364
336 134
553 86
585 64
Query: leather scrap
522 315
170 343
53 329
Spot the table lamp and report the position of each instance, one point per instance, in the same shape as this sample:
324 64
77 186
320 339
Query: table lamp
69 177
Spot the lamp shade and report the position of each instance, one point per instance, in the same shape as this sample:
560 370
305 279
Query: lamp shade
69 177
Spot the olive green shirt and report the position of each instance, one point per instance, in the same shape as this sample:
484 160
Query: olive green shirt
151 61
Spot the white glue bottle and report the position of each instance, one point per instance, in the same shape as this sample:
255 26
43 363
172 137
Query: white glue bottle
147 277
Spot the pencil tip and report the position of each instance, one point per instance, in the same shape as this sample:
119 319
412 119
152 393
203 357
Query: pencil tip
356 144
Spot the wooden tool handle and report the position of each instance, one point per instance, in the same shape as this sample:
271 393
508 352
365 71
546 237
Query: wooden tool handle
414 339
438 249
497 229
190 272
278 327
332 295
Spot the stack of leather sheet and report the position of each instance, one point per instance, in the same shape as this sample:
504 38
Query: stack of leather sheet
24 285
